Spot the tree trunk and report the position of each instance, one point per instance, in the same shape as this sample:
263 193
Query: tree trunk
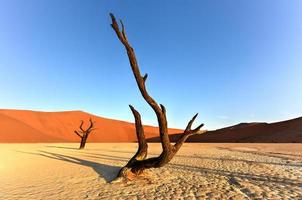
83 142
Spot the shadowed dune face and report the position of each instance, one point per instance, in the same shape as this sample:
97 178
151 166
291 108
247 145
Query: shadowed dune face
282 132
31 126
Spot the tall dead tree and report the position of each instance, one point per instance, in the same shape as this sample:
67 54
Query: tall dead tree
84 133
139 162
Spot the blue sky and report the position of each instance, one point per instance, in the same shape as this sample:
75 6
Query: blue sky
230 61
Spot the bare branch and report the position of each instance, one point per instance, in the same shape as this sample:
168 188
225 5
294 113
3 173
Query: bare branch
163 108
198 128
123 30
76 132
145 77
142 143
188 132
161 117
81 126
90 130
188 128
91 125
115 27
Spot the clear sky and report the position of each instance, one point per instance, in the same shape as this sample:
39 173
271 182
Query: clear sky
230 61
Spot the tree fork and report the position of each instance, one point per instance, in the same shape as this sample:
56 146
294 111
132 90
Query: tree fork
84 134
139 162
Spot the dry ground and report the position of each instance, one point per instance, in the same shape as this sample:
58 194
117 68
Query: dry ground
199 171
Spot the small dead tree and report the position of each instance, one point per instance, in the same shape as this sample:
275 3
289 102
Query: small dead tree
139 162
83 134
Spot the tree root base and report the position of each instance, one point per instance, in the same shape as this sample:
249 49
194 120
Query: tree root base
127 176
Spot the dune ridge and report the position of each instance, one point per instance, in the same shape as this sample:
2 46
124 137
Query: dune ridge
36 126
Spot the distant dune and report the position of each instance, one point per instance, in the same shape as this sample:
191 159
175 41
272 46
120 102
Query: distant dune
282 132
31 126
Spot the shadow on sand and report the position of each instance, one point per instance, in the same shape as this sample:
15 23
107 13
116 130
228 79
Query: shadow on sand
59 147
72 148
251 177
282 156
242 175
107 172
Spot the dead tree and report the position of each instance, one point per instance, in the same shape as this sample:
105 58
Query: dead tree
83 134
139 162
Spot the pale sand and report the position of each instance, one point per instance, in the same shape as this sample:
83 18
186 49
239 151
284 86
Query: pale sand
199 171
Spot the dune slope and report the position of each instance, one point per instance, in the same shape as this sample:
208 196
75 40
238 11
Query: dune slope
32 126
283 132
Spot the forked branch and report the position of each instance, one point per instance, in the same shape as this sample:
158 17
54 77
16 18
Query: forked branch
138 163
84 133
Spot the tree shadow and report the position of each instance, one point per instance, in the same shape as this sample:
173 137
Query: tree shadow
282 156
104 156
221 172
128 152
73 148
252 161
242 175
275 155
107 172
59 147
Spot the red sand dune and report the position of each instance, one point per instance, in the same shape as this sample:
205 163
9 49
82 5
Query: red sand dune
31 126
283 132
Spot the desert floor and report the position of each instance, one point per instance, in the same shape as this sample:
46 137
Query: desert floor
199 171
